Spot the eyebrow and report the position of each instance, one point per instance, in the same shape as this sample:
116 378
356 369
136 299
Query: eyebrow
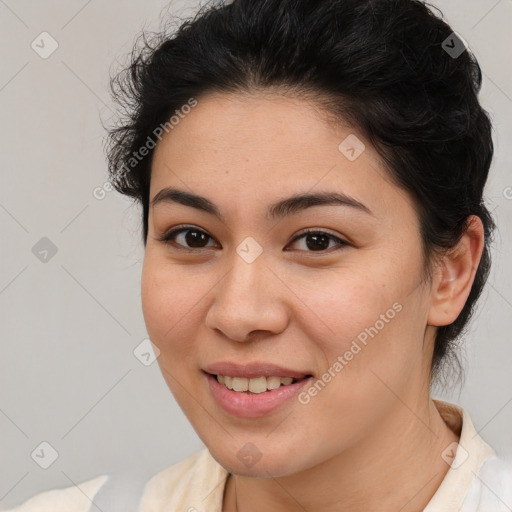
282 208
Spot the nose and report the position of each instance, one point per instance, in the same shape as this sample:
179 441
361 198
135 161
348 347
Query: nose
249 299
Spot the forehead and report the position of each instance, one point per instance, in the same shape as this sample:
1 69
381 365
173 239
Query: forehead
251 149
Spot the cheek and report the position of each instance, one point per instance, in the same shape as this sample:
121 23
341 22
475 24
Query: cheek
345 304
374 323
167 304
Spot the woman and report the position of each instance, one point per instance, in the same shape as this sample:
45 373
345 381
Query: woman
311 178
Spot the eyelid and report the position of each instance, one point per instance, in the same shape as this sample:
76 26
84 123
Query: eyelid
176 230
322 231
341 243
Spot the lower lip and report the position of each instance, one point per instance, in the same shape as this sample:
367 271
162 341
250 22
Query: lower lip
254 405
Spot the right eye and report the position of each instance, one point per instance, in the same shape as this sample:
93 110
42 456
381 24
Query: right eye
189 235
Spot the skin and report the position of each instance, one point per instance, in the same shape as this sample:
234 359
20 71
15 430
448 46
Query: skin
372 438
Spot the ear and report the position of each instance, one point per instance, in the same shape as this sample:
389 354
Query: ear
455 274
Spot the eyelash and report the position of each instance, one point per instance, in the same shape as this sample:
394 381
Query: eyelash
166 238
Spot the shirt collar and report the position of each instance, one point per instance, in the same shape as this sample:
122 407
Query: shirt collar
198 482
470 453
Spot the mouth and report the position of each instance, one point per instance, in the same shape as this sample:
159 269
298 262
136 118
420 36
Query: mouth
255 396
255 385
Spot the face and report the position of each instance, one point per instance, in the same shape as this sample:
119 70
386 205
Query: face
247 292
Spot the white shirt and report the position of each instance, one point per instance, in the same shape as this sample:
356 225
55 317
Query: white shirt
477 481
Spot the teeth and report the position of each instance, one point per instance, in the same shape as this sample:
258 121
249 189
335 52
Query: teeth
258 385
254 385
240 384
273 382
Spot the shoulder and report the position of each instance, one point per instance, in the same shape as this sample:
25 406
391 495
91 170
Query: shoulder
491 489
76 498
192 482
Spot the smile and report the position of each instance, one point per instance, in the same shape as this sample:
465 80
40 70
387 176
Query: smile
254 397
254 385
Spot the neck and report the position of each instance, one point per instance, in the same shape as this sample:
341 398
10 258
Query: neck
397 467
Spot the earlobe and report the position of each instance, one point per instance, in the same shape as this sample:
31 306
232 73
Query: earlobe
455 275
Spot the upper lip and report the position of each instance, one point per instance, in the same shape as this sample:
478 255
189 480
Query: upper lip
252 370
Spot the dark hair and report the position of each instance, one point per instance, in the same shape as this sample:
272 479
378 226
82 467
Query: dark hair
391 68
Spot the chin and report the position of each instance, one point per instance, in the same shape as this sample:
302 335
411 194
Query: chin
250 462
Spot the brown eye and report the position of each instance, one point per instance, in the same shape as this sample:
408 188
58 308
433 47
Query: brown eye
317 241
192 238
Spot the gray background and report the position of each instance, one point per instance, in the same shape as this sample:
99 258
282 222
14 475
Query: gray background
69 325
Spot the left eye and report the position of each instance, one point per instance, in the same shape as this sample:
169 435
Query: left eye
315 240
319 240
